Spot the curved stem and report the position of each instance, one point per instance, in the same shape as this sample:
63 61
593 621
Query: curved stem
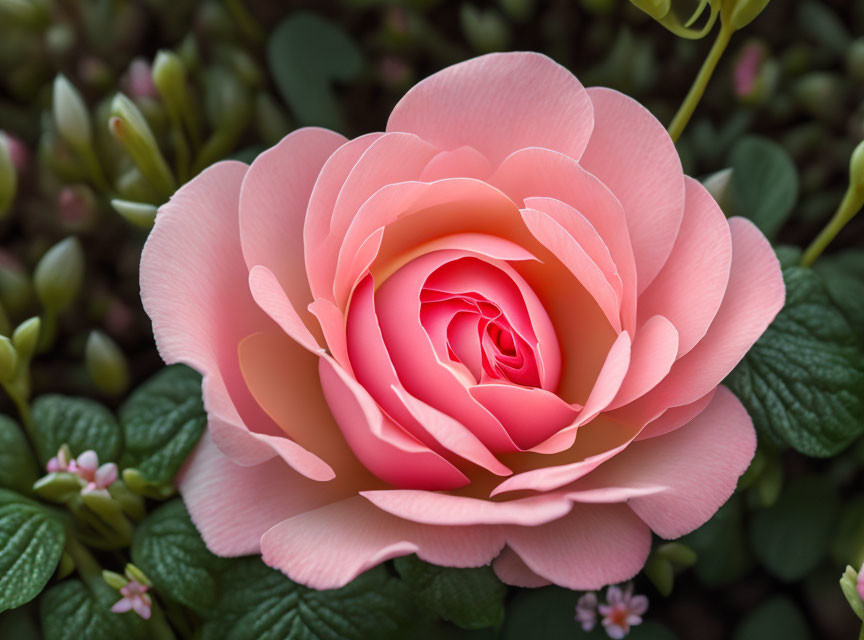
849 206
685 111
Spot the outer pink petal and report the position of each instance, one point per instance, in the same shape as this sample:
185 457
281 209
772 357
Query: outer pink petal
594 545
511 570
653 353
699 464
690 287
499 103
271 297
358 536
631 152
382 446
464 162
675 418
217 493
273 202
754 296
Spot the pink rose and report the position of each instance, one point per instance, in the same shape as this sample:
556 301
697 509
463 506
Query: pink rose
494 332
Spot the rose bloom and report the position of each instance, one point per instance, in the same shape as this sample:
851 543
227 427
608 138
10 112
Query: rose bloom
492 333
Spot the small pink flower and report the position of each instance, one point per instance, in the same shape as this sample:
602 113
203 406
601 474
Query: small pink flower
586 611
747 69
18 151
135 599
86 466
139 80
622 611
860 584
60 462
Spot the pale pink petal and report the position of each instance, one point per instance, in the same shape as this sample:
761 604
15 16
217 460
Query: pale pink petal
141 606
700 464
605 389
122 606
753 297
675 418
394 157
499 103
106 475
451 434
273 202
232 506
88 461
592 546
382 446
332 322
571 254
271 297
511 570
358 536
654 350
529 415
631 152
532 173
464 162
690 287
283 378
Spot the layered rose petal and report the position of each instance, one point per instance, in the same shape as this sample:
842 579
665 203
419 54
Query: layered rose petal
537 102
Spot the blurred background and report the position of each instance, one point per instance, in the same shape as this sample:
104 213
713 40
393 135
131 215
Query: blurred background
792 83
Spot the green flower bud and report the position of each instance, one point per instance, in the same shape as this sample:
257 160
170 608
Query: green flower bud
679 19
106 364
16 292
141 214
59 275
71 115
25 338
58 487
131 503
134 573
661 573
718 185
8 176
114 580
856 171
129 126
66 565
849 586
8 360
657 9
680 555
137 483
745 11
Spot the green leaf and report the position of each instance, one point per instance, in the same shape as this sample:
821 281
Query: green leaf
542 614
78 422
803 381
306 54
722 552
470 598
764 183
72 610
843 276
169 549
31 541
18 469
260 603
791 537
776 619
162 421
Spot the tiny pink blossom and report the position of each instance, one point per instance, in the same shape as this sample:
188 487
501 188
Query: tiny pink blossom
139 80
586 611
622 611
18 151
134 598
59 463
86 466
860 583
747 69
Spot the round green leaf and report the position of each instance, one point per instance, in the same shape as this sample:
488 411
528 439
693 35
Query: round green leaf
776 619
78 422
18 469
72 610
307 54
31 541
764 183
169 549
162 421
791 537
470 598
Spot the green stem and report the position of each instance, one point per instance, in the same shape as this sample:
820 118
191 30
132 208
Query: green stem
85 563
849 206
159 626
685 111
94 169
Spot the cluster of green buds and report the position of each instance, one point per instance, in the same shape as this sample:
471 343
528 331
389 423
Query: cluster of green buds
680 16
665 561
852 585
95 495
